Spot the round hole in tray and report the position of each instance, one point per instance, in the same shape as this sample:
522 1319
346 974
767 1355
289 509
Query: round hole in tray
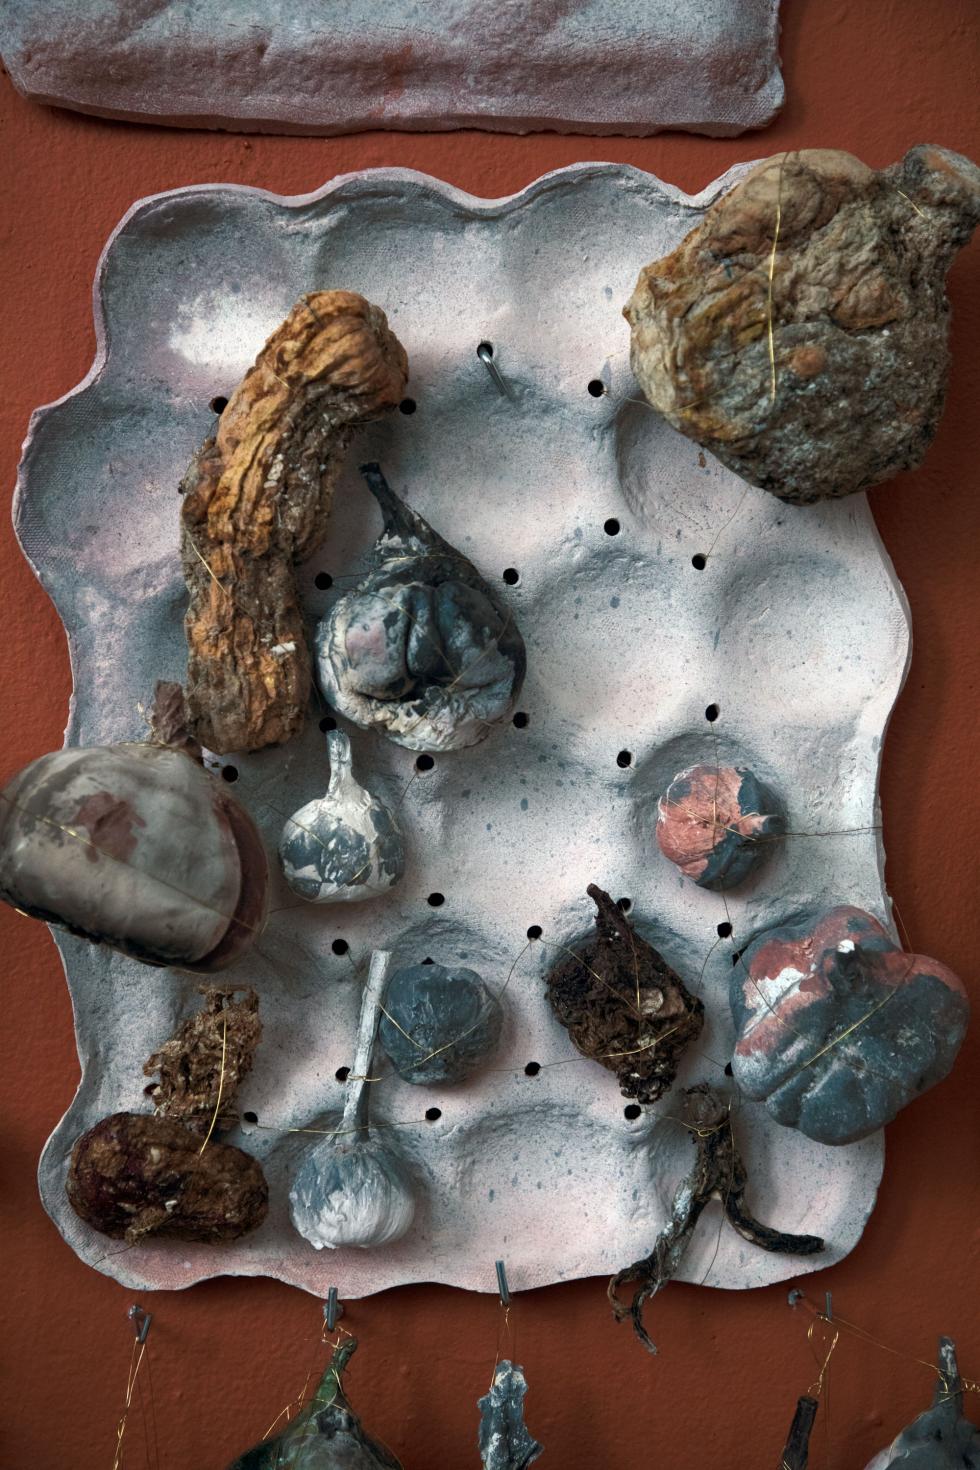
340 946
521 720
484 349
323 580
724 930
597 387
712 713
342 1074
534 932
229 773
436 900
532 1069
632 1110
424 763
218 404
624 759
432 1115
624 905
511 576
699 561
611 527
328 723
407 405
250 1117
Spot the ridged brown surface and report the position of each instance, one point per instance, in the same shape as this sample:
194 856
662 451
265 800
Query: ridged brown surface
257 500
799 332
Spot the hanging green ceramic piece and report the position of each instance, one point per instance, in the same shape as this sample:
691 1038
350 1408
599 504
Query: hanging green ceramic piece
941 1438
504 1441
326 1434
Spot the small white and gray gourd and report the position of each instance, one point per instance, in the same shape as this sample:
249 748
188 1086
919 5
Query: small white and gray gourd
353 1189
346 845
439 1024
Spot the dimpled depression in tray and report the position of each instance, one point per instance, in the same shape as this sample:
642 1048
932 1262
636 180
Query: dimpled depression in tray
653 589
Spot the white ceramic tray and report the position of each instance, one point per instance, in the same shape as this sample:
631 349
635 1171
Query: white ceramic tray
796 629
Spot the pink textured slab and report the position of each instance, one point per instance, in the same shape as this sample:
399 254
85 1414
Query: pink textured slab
795 628
340 66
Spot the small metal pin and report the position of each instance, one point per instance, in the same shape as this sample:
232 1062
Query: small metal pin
502 1285
828 1306
485 353
795 1297
332 1310
141 1322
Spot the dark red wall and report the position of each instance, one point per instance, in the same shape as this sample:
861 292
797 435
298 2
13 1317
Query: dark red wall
871 76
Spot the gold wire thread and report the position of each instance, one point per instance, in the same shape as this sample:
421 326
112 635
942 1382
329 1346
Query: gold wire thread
136 1355
221 1085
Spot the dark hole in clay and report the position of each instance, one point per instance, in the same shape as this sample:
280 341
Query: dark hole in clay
724 930
632 1110
407 405
534 932
712 712
342 1074
250 1117
611 527
729 1071
521 720
485 349
511 576
699 562
328 723
624 759
597 387
433 1114
218 404
624 905
532 1069
323 580
424 763
737 957
436 900
340 946
229 773
428 961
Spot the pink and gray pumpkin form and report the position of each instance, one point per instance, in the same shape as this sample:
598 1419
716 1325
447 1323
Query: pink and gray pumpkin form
837 1028
713 822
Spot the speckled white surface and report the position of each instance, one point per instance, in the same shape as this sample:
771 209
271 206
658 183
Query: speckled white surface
341 66
796 629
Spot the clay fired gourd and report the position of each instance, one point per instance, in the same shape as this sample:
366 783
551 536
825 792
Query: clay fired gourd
438 1024
138 847
716 823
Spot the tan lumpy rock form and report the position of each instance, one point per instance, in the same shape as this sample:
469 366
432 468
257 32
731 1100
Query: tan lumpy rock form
799 333
257 500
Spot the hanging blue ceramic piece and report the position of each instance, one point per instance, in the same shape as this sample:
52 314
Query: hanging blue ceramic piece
344 846
941 1438
504 1441
422 649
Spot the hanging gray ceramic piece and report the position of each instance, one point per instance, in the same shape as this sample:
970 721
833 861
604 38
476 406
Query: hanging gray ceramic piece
344 846
941 1438
353 1188
504 1441
422 649
439 1024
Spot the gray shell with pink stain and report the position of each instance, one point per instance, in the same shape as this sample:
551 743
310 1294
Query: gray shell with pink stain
837 1028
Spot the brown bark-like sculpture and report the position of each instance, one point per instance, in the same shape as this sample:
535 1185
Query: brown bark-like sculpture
136 1175
622 1004
256 502
800 331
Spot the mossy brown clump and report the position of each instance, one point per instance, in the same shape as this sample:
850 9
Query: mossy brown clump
208 1058
623 1005
136 1174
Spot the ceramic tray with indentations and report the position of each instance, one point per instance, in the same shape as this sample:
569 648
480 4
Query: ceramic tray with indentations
794 629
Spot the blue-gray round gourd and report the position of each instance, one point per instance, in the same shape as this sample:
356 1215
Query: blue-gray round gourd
344 846
439 1024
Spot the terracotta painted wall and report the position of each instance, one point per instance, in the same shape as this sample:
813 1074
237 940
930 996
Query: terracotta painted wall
872 76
